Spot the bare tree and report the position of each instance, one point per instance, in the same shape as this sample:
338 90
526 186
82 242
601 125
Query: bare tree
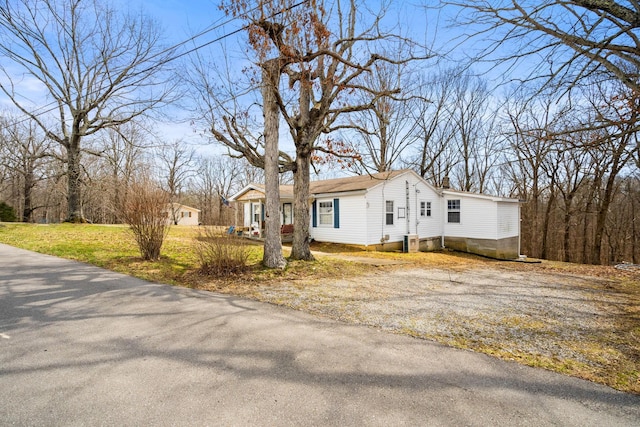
271 75
24 152
434 156
473 131
615 111
575 39
145 211
531 141
388 127
176 163
323 55
217 178
574 169
98 68
122 150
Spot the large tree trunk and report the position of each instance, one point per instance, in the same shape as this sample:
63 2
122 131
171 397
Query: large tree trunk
300 248
568 206
74 208
544 253
27 209
272 242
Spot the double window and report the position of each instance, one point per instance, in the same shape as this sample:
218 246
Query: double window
425 209
453 211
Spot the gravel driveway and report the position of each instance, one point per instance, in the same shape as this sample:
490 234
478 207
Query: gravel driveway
561 321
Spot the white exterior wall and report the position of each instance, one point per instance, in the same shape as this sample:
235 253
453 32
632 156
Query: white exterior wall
352 230
396 191
186 219
478 218
508 219
247 214
429 226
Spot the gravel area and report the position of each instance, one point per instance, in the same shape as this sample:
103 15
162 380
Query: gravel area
559 321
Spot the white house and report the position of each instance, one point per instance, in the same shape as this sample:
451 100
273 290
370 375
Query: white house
397 210
183 215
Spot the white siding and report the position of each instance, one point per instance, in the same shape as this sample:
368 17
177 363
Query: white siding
187 217
396 191
247 214
352 228
478 218
429 226
508 218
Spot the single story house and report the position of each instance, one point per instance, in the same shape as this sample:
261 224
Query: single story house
397 210
179 214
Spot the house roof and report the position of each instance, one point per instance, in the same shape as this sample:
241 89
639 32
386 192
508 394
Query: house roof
361 183
185 207
336 185
353 183
286 191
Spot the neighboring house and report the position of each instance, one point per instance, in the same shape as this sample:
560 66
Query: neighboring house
183 215
398 210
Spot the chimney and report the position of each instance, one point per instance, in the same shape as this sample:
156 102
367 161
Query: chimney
445 183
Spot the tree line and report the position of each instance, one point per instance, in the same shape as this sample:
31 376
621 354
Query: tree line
354 94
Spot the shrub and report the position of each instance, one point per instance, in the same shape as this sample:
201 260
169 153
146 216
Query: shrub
145 211
220 253
7 214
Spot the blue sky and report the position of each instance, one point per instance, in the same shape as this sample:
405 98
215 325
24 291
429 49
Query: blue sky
181 19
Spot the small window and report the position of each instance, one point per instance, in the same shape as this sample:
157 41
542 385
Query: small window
256 213
325 213
425 209
453 211
389 212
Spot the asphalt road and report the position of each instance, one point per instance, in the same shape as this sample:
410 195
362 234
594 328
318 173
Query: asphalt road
84 346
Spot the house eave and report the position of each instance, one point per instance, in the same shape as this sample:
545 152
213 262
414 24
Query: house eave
337 194
445 192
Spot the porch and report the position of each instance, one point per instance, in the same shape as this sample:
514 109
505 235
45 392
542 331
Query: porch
256 233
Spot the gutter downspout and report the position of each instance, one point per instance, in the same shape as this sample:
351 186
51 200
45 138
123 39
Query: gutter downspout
384 214
519 231
407 202
444 219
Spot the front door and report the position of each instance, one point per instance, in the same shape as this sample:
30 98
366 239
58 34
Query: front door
287 213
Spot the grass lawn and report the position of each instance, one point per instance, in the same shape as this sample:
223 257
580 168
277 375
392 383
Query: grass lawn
615 351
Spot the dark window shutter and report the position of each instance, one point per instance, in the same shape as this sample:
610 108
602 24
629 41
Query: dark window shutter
336 213
314 214
262 211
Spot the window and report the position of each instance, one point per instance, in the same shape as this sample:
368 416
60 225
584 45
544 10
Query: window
425 209
453 211
256 213
325 213
389 212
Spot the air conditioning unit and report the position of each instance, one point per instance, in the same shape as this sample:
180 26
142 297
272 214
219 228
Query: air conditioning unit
411 243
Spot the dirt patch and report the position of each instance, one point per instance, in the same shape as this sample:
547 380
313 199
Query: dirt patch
583 325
